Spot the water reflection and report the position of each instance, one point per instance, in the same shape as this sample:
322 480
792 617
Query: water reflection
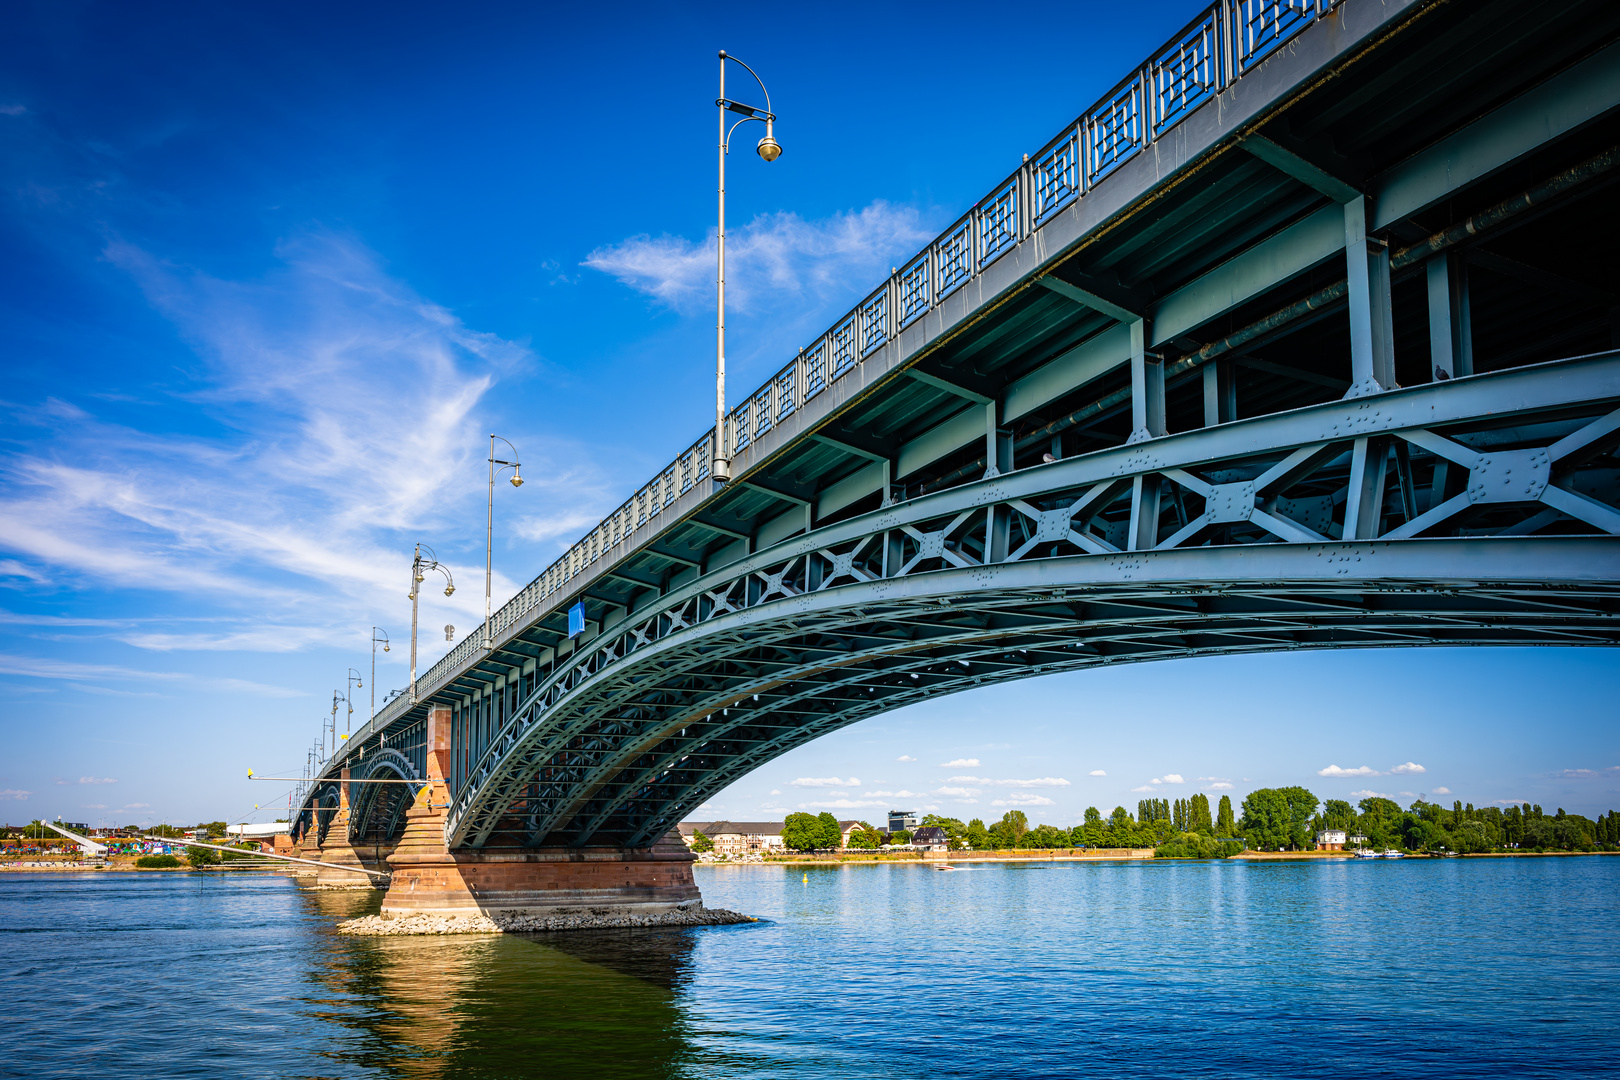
580 1004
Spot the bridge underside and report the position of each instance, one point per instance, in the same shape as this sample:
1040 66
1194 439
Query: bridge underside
700 712
1318 365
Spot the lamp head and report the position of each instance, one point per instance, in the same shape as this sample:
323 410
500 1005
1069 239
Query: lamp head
768 147
449 590
385 646
517 481
419 577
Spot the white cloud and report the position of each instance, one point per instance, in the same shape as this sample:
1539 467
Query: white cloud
905 757
1442 791
142 805
1145 787
1023 798
776 255
1096 772
93 806
824 781
94 780
775 791
1409 767
1221 785
1040 781
842 804
1585 774
13 110
957 792
1172 778
1361 770
901 794
1368 794
961 763
13 793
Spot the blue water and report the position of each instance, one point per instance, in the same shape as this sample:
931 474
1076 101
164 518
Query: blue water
1456 968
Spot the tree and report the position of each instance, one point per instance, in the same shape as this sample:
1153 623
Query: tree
900 836
1224 823
978 837
1010 829
200 856
832 834
701 842
1338 814
1198 815
1278 817
211 828
955 831
801 832
1044 836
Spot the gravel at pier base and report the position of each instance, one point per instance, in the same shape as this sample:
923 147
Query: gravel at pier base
518 922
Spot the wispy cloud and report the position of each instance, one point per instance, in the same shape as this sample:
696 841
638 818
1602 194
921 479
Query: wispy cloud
1409 767
1097 772
1040 781
97 780
14 793
1586 774
957 792
1442 791
961 763
342 413
1221 785
73 671
1368 793
777 255
905 757
1023 798
1360 770
825 781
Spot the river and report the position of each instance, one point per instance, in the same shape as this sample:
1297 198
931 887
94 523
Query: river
1455 968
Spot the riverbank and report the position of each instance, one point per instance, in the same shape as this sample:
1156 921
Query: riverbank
519 922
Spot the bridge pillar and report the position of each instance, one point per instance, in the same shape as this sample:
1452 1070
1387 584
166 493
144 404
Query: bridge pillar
337 850
427 877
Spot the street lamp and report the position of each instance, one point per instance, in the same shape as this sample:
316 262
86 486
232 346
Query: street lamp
354 684
770 150
419 568
489 536
375 641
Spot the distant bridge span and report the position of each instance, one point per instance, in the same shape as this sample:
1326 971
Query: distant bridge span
1302 337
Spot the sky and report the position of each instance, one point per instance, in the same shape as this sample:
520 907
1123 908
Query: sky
271 274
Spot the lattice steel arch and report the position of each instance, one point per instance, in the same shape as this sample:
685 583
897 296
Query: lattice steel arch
377 810
1449 478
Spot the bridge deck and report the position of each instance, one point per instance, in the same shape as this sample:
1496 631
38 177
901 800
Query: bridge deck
1174 261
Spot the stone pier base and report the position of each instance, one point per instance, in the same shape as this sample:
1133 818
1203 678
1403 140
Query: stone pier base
525 882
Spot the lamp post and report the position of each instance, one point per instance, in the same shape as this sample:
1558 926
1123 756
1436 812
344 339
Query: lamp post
489 536
770 150
419 566
375 641
354 684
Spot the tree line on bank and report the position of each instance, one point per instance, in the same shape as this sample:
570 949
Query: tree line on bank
1270 819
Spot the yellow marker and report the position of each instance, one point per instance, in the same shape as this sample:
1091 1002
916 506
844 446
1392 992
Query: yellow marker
807 877
250 774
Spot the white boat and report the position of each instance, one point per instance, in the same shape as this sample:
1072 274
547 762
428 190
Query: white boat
1368 853
1391 853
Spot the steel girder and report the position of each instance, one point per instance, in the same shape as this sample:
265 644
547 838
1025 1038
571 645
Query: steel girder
1408 518
376 810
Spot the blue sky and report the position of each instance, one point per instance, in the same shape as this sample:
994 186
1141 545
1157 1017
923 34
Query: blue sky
272 272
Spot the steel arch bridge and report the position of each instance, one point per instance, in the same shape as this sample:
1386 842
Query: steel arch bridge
1303 337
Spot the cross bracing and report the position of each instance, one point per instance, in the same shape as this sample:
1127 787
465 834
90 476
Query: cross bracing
1321 305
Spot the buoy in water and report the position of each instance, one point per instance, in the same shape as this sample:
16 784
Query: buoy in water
807 877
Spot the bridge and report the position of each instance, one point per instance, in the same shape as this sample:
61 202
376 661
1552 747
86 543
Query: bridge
1303 336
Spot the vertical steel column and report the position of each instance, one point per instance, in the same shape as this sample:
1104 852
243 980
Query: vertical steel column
1372 341
1147 388
1147 422
1364 504
1451 339
1212 395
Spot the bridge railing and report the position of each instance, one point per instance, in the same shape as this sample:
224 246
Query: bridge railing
1211 52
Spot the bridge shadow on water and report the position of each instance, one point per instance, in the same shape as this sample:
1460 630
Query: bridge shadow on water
577 1004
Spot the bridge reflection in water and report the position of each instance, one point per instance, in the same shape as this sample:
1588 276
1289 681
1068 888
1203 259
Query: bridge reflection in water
1299 338
584 1004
